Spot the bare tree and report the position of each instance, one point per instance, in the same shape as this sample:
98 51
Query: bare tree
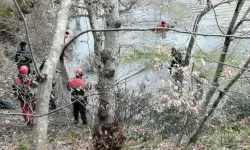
45 87
215 83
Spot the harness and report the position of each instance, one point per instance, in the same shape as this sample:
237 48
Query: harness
25 93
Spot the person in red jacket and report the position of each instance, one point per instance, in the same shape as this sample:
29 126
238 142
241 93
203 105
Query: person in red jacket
77 86
163 24
22 92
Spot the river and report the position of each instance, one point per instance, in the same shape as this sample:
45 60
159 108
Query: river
149 14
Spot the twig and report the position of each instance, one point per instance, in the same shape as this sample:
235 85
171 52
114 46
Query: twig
127 8
242 20
216 19
218 62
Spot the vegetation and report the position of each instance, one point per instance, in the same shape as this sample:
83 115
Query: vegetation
201 103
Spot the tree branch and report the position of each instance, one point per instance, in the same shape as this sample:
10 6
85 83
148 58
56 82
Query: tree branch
193 138
127 8
28 38
196 27
242 20
152 29
117 83
217 74
216 19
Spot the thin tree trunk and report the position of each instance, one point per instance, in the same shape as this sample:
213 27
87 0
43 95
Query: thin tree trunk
215 84
219 69
196 28
45 87
196 134
97 21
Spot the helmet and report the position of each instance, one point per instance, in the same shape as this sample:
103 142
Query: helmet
173 49
164 22
24 69
79 71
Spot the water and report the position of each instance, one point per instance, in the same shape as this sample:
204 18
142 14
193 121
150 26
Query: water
80 51
149 16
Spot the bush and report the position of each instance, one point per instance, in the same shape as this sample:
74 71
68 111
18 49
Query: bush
238 108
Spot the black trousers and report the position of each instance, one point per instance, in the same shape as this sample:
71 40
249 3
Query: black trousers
52 104
80 106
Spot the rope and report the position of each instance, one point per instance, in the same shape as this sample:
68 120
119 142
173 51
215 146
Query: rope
69 63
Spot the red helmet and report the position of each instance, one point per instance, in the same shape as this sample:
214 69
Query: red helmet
79 71
24 69
164 22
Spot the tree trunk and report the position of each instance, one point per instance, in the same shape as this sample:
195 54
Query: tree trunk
106 59
196 27
215 84
223 55
45 87
97 21
110 63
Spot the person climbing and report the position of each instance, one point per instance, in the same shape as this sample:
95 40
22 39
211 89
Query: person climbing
52 104
177 59
22 57
22 88
77 86
163 24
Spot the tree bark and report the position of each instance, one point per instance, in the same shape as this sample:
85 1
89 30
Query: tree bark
219 69
196 28
96 15
105 14
215 84
45 87
110 63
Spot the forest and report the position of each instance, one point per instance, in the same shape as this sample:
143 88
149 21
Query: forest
124 74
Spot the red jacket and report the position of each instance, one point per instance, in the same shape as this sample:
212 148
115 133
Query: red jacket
77 83
160 25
